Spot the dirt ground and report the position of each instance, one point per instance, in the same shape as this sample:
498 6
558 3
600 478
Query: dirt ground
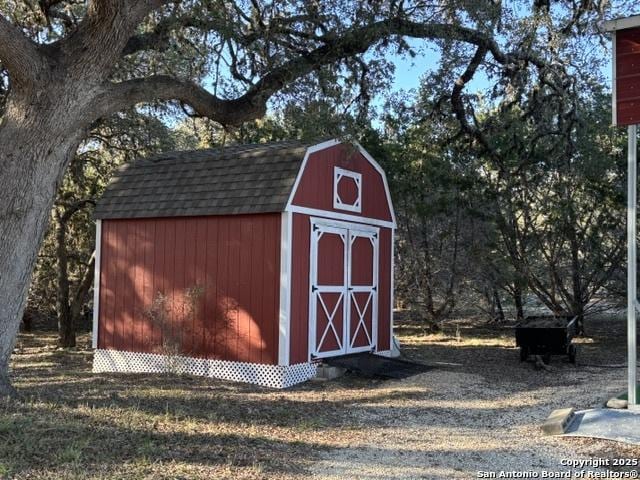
477 409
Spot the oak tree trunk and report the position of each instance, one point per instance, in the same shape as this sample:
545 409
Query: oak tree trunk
57 92
38 139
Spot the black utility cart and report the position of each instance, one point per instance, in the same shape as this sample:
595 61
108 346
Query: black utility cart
547 335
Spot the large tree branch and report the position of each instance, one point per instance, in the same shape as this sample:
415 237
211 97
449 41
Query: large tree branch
457 103
96 45
253 103
19 55
119 96
69 209
358 38
158 39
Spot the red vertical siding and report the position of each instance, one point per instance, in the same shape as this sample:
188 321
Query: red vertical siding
107 295
384 287
255 297
222 315
271 276
147 280
169 284
211 307
627 76
299 322
158 274
245 319
135 303
179 322
190 246
121 277
315 189
200 261
236 262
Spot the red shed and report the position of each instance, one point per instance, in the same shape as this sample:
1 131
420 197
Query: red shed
247 263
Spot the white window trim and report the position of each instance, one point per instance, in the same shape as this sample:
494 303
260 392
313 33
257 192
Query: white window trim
338 173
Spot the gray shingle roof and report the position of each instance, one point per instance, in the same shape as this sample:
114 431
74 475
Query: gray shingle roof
231 180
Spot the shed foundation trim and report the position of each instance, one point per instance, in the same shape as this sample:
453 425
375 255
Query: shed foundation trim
275 376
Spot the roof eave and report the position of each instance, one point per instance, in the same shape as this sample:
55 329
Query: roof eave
622 23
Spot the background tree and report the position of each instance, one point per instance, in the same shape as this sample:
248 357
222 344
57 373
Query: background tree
555 181
432 184
547 164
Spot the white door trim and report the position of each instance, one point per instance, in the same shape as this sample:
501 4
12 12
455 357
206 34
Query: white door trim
392 287
342 216
331 222
316 291
348 231
373 234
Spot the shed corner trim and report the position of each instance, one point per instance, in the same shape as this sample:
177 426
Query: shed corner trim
284 324
96 284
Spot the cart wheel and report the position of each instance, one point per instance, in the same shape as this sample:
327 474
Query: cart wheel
546 358
524 354
573 351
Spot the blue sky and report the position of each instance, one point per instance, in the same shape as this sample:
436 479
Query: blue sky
409 70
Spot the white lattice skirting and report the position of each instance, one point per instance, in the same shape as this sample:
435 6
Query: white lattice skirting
276 376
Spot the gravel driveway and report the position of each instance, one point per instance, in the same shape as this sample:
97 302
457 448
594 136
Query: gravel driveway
478 410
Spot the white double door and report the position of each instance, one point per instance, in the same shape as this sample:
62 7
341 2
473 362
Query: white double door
343 302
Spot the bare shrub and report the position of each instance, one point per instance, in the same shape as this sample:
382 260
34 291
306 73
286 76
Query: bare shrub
159 313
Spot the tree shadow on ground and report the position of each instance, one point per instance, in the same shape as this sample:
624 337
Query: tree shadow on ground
36 437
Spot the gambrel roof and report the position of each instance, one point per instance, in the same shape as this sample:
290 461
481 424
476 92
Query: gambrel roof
234 179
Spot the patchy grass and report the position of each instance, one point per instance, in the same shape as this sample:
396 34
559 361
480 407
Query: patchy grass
74 424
